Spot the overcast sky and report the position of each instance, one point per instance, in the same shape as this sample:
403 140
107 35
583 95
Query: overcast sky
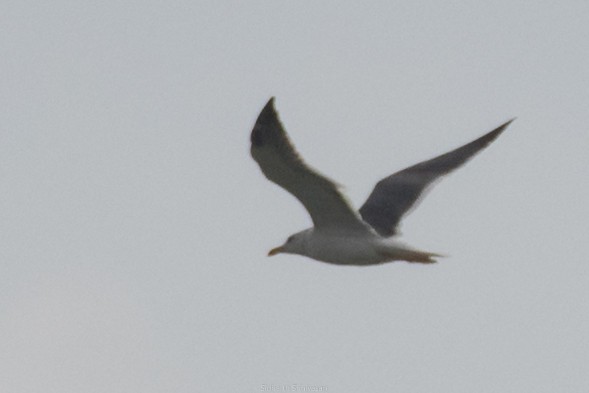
135 225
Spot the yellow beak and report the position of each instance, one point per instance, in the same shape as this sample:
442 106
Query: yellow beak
275 251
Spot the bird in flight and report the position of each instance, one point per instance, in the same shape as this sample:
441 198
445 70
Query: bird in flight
340 234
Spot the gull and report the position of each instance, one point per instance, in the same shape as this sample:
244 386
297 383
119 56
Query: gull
341 235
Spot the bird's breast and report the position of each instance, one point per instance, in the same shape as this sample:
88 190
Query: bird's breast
345 250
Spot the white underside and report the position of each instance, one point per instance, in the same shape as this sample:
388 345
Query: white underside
367 249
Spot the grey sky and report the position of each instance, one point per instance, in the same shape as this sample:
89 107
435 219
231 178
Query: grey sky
135 225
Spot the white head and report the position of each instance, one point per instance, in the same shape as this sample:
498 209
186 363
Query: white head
295 244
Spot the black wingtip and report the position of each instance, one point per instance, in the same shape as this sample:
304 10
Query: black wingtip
506 124
268 108
267 117
492 135
268 113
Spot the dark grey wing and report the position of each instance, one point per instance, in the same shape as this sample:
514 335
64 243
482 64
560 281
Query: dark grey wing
280 163
394 195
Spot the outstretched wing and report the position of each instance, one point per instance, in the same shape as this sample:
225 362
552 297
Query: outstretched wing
394 195
280 163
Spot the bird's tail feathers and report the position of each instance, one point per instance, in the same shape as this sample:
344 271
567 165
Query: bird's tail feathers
416 256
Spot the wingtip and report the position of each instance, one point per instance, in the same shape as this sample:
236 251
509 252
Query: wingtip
497 131
267 117
270 104
268 109
508 122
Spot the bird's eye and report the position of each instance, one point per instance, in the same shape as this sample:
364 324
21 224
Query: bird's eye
289 239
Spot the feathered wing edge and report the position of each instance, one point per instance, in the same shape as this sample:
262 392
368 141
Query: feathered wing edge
396 194
281 164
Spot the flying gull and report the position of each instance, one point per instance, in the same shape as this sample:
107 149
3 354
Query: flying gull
340 235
